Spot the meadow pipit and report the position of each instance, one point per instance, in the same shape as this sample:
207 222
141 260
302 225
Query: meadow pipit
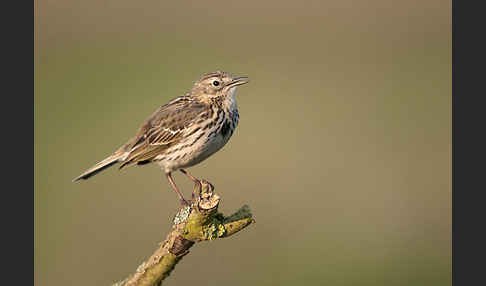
185 131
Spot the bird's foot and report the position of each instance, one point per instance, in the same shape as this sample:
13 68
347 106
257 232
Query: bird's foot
202 189
184 202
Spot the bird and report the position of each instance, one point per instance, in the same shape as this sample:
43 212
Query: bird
184 132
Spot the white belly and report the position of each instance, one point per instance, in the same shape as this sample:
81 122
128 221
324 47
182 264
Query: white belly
193 155
203 152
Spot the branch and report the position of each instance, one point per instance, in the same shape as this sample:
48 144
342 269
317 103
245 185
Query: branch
198 222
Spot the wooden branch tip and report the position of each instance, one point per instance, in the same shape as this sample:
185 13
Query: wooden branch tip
206 199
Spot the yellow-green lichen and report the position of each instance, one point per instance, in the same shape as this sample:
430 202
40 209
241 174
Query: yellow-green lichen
221 230
214 230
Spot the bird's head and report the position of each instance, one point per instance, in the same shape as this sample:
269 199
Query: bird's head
215 85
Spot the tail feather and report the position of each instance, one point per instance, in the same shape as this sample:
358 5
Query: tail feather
106 163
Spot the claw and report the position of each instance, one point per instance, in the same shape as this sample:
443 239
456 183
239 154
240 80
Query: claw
184 203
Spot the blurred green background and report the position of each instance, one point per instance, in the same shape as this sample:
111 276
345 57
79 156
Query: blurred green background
343 151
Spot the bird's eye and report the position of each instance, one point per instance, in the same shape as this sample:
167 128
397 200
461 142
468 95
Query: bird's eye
215 83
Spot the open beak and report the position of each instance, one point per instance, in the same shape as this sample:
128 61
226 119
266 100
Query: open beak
237 81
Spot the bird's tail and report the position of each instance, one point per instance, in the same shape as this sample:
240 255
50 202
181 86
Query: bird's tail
108 162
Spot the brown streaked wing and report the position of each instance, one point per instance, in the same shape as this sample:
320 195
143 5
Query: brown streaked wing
164 128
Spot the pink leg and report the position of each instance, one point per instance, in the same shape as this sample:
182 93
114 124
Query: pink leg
191 177
172 183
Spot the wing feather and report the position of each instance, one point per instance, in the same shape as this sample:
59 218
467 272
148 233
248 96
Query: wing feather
164 128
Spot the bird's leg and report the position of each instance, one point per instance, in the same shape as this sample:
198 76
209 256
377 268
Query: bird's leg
191 177
172 183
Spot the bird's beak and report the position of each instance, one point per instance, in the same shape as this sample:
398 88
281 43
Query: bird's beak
237 81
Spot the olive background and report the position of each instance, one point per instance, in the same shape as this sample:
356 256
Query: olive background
343 150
